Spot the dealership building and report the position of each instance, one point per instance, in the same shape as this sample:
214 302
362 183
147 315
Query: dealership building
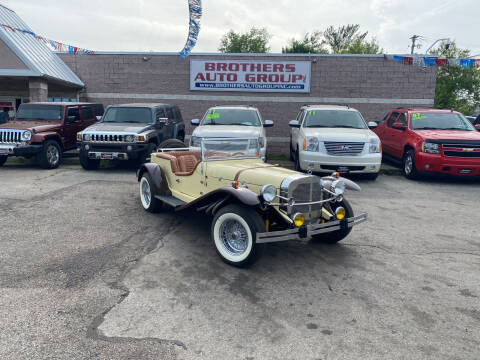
278 84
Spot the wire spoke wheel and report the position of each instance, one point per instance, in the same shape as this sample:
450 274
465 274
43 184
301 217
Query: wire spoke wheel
234 237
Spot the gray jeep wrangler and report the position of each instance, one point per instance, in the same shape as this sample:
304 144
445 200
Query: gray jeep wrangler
131 132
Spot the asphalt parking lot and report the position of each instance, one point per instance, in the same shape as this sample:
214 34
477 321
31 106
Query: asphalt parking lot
87 274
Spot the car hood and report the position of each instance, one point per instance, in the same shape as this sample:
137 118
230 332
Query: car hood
448 134
253 172
35 126
227 131
118 128
340 134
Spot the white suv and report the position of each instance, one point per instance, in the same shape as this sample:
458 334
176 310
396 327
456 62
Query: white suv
328 138
231 121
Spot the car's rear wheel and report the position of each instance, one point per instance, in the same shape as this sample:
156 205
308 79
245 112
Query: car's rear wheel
50 155
3 159
172 144
409 167
147 194
234 230
336 236
88 164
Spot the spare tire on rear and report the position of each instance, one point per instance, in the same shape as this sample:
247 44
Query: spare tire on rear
172 144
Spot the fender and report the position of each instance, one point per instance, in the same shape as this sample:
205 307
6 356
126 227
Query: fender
349 184
43 136
160 184
212 200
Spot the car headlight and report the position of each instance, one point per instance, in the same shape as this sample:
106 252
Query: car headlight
130 138
338 187
430 148
311 143
26 135
268 192
195 141
375 145
87 137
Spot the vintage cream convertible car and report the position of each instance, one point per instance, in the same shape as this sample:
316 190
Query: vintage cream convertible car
252 202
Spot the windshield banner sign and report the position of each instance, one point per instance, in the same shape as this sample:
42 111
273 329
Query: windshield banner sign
250 75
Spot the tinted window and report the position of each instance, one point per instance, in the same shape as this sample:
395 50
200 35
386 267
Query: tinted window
128 115
300 117
74 111
169 113
39 112
87 112
177 113
334 119
402 119
392 119
160 114
245 117
439 121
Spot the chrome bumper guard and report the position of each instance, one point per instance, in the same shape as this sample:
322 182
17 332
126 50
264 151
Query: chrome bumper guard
7 149
309 230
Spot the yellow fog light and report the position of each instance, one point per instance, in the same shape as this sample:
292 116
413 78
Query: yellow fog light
79 137
141 138
340 213
299 219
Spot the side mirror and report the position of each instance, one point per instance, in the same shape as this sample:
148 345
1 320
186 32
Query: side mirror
195 122
268 123
477 127
71 119
98 117
294 124
399 126
372 125
162 121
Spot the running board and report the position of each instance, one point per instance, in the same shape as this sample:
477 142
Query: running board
170 200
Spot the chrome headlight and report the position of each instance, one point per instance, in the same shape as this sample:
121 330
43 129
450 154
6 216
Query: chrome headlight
195 141
311 143
430 148
268 192
338 187
130 138
87 137
375 145
26 135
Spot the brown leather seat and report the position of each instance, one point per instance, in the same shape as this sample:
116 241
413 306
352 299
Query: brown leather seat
183 163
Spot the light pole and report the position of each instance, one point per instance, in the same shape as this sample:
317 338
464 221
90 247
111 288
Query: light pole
447 44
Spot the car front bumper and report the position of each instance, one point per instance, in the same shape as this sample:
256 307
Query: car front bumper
113 151
447 165
19 150
319 162
307 231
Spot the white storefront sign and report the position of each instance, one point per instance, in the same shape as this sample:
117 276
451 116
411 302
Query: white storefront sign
250 75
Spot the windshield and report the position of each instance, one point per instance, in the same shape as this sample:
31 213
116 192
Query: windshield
440 121
39 112
230 149
334 119
245 117
128 115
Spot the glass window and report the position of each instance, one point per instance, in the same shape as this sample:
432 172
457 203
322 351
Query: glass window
160 114
402 119
392 119
219 116
439 121
334 119
40 112
169 113
74 111
128 115
87 113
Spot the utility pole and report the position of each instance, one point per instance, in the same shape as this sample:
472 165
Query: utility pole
414 39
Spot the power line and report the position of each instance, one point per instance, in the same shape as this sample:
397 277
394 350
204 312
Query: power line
414 39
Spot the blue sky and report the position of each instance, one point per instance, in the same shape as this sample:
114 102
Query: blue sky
161 25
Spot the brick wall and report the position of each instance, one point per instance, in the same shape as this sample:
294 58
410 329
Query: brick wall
380 84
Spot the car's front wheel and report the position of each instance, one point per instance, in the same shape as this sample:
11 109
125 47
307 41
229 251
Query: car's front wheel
336 236
297 161
50 155
3 159
234 230
409 167
147 194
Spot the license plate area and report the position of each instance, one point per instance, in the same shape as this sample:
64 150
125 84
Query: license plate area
106 156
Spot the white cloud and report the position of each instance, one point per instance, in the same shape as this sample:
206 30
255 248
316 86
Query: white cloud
162 25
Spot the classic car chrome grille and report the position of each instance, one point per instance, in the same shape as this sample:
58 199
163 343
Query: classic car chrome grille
11 136
303 188
344 148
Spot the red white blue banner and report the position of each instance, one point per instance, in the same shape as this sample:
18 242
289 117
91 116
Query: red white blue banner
250 75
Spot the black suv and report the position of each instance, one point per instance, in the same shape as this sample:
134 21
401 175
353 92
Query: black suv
131 132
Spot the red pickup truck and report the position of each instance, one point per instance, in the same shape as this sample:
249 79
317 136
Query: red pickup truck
428 140
45 131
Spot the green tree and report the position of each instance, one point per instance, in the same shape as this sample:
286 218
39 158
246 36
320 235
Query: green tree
341 38
456 88
254 41
311 44
363 46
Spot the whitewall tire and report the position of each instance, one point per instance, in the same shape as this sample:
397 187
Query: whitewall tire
147 194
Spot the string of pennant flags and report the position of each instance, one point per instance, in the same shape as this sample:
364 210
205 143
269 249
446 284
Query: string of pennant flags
195 10
434 61
55 45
